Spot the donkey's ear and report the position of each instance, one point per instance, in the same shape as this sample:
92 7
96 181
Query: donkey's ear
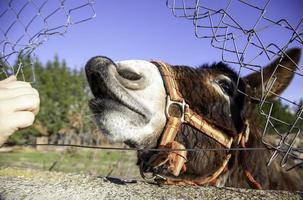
275 77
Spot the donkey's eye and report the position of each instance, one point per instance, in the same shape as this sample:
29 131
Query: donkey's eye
226 86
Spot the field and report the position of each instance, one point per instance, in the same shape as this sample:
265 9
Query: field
76 160
84 161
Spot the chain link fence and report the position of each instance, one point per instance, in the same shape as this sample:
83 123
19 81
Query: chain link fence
245 42
27 24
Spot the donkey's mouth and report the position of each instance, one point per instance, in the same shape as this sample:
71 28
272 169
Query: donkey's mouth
100 90
100 73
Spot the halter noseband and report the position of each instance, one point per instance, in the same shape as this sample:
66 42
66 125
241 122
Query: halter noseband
178 112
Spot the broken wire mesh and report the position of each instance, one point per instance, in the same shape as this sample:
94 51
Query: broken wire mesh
247 41
26 24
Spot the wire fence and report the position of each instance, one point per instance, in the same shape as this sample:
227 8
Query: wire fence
27 24
245 42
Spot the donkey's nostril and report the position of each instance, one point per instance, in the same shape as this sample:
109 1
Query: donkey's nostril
129 75
133 74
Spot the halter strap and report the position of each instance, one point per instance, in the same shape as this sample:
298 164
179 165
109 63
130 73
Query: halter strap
185 114
179 112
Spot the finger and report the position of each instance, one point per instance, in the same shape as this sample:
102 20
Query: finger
20 120
14 122
15 92
21 103
36 108
9 79
15 84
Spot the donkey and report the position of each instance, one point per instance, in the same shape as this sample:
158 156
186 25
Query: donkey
130 105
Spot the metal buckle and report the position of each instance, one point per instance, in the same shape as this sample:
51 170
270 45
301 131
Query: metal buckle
182 105
153 177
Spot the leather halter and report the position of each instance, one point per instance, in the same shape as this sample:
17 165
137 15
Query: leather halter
178 112
186 114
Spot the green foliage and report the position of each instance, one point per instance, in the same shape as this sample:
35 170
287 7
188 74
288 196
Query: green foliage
61 89
282 116
64 97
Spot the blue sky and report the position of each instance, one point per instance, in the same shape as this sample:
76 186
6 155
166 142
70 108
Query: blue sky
145 29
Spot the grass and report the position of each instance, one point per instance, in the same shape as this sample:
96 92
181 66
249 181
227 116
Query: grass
87 161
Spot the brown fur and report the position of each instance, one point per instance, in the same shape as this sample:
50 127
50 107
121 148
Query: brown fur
195 86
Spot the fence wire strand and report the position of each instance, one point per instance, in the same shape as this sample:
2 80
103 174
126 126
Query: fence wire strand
242 43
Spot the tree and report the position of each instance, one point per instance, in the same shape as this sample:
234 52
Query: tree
281 116
64 99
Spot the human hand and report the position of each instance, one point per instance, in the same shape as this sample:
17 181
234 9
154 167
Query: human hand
19 103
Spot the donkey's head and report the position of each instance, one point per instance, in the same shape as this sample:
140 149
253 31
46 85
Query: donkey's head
130 97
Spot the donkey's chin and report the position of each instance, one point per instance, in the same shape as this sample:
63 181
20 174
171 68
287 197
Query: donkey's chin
122 124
